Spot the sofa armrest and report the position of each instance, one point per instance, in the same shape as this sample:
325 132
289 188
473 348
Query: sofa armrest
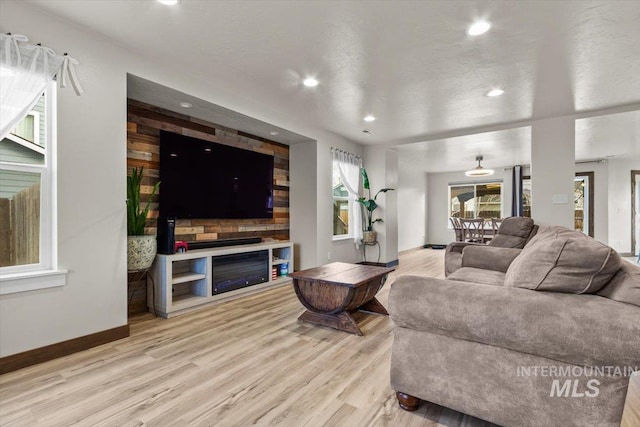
585 330
457 247
489 257
453 256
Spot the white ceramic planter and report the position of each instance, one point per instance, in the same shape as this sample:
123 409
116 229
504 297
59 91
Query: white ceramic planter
141 251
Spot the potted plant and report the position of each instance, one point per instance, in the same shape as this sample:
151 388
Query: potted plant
141 249
370 205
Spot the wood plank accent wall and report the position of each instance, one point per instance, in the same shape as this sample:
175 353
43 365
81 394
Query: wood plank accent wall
144 122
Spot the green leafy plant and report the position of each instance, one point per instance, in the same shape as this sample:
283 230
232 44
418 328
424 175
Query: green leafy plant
370 204
136 215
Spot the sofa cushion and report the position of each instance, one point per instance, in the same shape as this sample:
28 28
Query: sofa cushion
625 285
513 232
478 275
585 330
489 258
563 260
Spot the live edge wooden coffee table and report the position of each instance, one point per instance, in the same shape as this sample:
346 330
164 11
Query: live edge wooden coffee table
331 292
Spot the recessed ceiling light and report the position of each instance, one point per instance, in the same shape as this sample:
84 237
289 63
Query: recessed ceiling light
369 118
274 133
310 82
495 92
186 105
168 2
478 28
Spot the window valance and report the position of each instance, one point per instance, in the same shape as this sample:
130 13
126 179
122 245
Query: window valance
25 70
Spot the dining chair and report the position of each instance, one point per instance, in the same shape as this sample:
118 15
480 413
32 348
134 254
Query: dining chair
495 225
473 230
457 228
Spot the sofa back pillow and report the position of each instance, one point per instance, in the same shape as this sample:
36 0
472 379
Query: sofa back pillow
561 260
513 232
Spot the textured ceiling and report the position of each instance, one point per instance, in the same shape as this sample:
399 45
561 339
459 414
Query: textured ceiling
611 136
409 63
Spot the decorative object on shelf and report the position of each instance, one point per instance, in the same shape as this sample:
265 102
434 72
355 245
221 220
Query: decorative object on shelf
369 235
141 249
181 246
284 269
479 170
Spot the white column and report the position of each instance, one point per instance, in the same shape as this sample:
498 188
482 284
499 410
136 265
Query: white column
381 164
303 203
552 171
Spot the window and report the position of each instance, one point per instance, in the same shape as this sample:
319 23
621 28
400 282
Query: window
27 217
475 200
341 206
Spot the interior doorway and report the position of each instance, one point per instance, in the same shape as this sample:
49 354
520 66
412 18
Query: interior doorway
583 202
635 213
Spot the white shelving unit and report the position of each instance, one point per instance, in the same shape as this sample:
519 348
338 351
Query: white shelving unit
182 282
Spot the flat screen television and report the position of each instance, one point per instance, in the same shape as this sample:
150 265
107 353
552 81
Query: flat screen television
202 179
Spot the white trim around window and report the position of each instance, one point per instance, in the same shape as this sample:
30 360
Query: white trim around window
349 235
44 274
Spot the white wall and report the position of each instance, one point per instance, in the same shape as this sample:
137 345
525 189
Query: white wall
438 230
91 197
620 203
412 207
552 165
92 171
600 198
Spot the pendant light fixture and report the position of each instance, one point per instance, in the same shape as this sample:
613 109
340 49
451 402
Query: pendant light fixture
479 170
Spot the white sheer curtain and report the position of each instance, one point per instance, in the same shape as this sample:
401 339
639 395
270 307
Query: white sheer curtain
25 70
349 165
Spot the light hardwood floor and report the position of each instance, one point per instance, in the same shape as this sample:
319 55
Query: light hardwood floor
244 362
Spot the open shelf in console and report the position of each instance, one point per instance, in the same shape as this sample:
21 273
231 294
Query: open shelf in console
188 281
281 263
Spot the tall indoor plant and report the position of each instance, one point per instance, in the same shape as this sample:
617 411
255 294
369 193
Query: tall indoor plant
370 205
141 249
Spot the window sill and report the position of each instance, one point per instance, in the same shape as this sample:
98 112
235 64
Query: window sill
341 238
31 281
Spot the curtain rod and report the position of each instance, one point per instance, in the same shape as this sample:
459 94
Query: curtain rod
346 153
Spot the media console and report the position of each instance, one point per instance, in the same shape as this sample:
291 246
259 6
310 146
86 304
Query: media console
185 281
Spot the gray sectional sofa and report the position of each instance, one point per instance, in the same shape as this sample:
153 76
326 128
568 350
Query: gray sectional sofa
546 335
